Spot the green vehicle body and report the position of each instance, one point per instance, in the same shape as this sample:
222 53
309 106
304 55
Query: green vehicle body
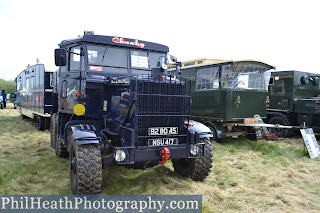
294 96
218 99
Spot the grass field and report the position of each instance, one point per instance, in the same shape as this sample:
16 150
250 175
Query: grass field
247 176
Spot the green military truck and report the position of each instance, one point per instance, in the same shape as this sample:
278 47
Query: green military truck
294 98
227 94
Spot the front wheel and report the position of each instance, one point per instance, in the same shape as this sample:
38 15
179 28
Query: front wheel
196 168
281 133
85 167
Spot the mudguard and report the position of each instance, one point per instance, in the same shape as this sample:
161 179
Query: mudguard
202 130
85 134
285 116
220 130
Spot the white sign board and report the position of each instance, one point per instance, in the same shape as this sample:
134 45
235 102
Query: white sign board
311 142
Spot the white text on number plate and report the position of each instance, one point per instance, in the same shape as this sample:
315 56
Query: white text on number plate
163 131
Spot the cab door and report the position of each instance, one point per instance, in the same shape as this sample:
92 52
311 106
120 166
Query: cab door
70 79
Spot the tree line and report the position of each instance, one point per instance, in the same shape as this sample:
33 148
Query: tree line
8 85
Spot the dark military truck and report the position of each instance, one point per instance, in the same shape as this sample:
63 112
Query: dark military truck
227 93
114 104
294 98
34 95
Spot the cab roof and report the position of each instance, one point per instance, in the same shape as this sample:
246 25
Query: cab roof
117 41
200 62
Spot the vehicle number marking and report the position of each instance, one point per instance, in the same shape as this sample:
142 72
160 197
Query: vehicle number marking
163 131
162 141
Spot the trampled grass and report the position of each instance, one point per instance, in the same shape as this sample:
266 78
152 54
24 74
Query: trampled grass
247 176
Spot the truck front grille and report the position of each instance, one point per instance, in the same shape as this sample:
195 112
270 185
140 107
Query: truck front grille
161 101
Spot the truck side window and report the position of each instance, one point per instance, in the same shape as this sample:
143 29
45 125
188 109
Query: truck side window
139 59
19 84
208 78
74 58
278 87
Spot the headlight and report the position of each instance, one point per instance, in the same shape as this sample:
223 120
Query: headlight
120 155
194 150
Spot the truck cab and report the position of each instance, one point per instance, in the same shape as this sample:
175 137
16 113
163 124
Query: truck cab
115 102
294 99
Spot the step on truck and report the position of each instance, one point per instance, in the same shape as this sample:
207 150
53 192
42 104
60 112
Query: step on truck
34 95
227 94
294 99
114 104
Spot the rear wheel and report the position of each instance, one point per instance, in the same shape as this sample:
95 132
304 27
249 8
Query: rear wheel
61 150
85 167
196 168
281 133
53 129
41 123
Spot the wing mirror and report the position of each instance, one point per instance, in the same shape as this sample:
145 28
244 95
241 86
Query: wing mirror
60 57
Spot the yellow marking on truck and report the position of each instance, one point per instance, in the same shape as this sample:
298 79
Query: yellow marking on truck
79 109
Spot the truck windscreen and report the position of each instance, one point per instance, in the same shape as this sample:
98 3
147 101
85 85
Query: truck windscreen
109 58
245 76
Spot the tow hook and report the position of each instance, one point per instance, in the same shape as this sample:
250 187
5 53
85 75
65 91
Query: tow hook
164 155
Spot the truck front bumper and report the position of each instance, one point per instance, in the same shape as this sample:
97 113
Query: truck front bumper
132 155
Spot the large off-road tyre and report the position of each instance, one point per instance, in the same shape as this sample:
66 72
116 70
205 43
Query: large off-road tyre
196 168
41 124
85 166
281 133
53 129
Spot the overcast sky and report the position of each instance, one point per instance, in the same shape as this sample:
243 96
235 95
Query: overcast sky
280 32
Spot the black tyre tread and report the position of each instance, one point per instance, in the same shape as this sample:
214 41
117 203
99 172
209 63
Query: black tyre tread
203 165
89 166
40 123
61 150
53 129
199 168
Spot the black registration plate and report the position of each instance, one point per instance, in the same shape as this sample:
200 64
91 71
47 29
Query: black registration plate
163 131
162 141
